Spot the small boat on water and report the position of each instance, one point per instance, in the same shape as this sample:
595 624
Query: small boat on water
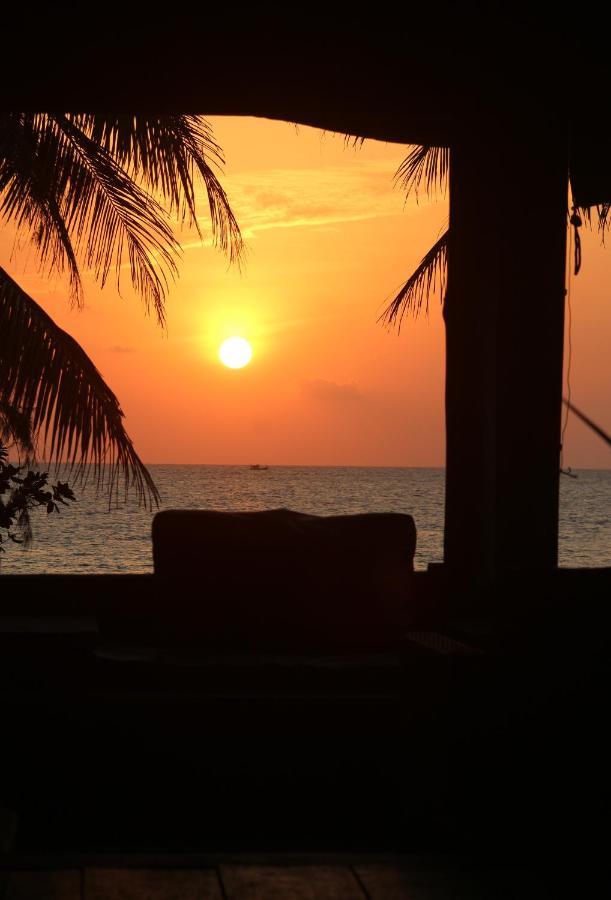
258 468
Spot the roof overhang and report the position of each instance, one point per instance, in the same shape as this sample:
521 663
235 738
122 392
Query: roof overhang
406 81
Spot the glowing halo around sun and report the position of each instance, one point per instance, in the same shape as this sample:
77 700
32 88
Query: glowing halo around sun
235 352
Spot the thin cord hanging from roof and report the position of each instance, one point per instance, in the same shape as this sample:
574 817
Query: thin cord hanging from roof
575 222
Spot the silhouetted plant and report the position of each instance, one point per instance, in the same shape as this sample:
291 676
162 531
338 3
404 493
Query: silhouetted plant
99 191
26 491
427 168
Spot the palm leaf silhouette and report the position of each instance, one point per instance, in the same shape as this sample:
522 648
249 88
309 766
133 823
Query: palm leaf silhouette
422 283
427 167
16 428
82 188
98 191
71 410
165 154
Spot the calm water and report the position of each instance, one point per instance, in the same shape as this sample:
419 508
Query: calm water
90 538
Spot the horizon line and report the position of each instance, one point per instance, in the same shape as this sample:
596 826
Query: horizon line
294 465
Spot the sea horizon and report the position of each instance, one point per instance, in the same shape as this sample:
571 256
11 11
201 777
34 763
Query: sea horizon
90 537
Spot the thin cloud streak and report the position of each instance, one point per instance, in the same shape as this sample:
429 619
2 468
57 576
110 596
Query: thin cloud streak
313 198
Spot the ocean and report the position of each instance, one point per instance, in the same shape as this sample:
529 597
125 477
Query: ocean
87 537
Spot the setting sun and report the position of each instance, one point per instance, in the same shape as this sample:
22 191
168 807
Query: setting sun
235 352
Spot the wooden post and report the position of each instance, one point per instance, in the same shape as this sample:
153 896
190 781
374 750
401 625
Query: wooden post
504 344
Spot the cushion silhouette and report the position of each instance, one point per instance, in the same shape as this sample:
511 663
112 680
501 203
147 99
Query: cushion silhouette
280 573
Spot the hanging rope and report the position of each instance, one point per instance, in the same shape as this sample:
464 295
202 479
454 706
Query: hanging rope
576 223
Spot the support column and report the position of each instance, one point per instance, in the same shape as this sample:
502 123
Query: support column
504 344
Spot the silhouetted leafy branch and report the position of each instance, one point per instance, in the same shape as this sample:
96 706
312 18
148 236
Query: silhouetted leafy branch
25 493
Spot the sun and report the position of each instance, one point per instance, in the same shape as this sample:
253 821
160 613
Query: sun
235 352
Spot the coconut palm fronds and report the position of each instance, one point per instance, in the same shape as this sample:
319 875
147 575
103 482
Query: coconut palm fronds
72 412
79 206
81 187
425 166
428 277
600 216
31 199
164 154
16 429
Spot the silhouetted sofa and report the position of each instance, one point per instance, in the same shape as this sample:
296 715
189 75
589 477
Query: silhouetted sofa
283 578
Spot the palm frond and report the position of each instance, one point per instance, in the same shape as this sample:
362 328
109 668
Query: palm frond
430 274
107 212
82 187
424 165
164 154
101 212
72 410
599 215
15 428
29 197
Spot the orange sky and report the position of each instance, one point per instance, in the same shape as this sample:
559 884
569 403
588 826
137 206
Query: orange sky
329 239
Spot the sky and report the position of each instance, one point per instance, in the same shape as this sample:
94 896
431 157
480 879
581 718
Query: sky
329 239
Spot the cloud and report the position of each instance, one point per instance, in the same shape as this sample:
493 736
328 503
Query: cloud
331 393
311 198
